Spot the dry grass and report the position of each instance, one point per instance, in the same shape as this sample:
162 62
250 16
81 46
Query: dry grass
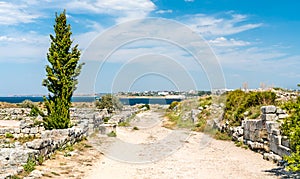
8 105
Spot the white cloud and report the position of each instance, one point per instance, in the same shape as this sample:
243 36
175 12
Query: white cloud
164 11
224 42
251 58
11 39
123 10
23 47
189 0
208 25
12 14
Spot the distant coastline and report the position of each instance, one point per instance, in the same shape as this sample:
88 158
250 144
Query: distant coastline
126 100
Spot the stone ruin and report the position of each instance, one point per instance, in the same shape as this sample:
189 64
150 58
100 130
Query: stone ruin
264 134
14 155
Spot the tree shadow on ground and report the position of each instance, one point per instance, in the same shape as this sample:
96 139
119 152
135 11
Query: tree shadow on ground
282 173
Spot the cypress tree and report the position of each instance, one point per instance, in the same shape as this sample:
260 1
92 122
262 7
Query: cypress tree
61 74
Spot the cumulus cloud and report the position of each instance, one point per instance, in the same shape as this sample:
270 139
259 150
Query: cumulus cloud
123 10
12 14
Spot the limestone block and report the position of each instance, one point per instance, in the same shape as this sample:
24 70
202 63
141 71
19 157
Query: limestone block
279 111
255 136
16 136
46 134
252 125
268 109
271 125
272 157
256 145
269 117
34 130
275 139
25 130
285 141
246 134
17 130
282 150
276 132
41 128
273 147
282 116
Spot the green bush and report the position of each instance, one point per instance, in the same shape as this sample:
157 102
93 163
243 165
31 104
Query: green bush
106 119
238 102
135 128
40 159
291 128
9 135
35 111
29 166
173 105
124 124
112 134
205 101
109 102
222 136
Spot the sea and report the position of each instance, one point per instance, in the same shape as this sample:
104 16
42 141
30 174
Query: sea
125 101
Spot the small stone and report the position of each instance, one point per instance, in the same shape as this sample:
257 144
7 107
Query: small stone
268 109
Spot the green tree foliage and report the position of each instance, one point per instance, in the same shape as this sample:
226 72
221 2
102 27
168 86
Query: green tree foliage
109 102
291 128
238 102
62 73
173 105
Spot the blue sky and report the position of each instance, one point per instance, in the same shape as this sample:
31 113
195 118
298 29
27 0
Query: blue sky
254 41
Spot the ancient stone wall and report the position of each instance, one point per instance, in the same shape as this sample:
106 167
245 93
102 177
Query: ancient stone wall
264 134
14 155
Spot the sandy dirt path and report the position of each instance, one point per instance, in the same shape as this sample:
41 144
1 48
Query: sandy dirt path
195 156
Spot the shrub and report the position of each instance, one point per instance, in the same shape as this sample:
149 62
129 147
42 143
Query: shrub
238 102
29 166
291 128
124 124
112 134
106 119
35 111
9 135
109 102
173 105
135 128
222 136
40 159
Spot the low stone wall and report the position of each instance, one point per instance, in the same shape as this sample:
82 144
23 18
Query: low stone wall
26 128
14 113
14 155
264 134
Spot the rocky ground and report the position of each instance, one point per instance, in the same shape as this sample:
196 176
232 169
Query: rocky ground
141 154
72 162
